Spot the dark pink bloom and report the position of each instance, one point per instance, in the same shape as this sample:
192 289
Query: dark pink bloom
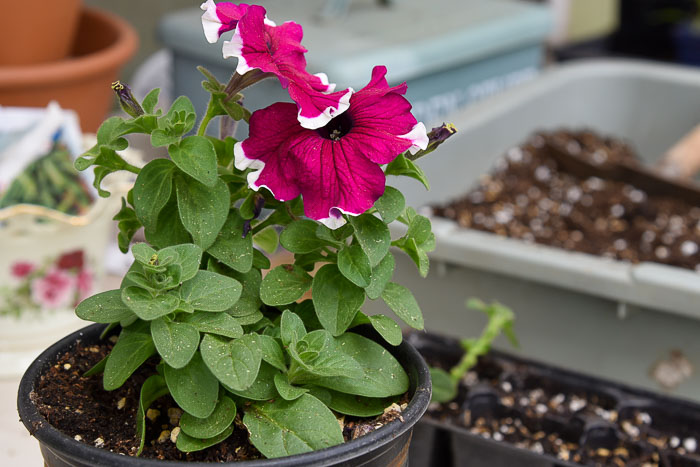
259 44
70 260
335 168
220 17
55 290
21 269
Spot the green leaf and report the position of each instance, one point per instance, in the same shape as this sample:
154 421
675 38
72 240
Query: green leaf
196 156
150 101
387 328
98 367
267 239
152 190
220 324
189 444
214 424
249 303
300 237
235 363
105 307
286 390
203 210
407 168
335 298
318 354
354 265
291 328
110 134
189 257
263 388
128 226
417 254
272 352
391 204
383 375
284 428
224 150
373 236
230 247
169 229
354 405
381 275
151 390
444 389
209 291
260 261
419 229
401 301
175 342
143 253
147 307
285 284
133 348
194 387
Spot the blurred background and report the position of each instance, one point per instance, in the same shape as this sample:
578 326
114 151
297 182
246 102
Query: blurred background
579 258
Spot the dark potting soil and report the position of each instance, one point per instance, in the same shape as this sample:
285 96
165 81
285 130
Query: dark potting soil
571 419
81 408
528 196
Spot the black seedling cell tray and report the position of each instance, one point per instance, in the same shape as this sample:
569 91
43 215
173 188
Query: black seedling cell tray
511 411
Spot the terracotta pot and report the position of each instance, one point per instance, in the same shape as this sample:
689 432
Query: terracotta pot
103 44
42 32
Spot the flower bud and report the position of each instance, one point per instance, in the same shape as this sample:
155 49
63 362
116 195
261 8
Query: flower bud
127 100
436 137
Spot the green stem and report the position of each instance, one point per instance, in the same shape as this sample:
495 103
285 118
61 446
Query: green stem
201 131
500 319
132 168
266 223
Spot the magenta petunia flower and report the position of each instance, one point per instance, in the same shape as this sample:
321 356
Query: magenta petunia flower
55 290
335 168
219 18
260 44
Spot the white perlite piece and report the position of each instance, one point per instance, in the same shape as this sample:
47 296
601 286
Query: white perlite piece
174 434
690 444
99 442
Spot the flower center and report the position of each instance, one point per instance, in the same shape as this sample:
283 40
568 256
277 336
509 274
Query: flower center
337 127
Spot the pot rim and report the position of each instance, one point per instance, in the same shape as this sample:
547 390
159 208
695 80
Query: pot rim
80 67
40 428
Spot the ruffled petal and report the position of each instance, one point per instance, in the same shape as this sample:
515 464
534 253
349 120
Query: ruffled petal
316 109
278 50
272 131
334 178
219 18
382 120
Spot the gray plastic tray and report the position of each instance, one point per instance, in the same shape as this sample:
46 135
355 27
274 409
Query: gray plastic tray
606 317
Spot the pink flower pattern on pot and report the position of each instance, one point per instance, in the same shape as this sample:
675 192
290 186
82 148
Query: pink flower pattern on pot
60 282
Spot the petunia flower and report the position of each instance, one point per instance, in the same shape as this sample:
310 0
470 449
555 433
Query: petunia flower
219 18
261 45
335 168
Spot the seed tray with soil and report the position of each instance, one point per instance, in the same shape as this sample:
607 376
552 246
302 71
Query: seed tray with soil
512 411
80 407
529 196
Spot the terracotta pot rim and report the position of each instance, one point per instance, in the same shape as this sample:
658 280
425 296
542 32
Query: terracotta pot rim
81 67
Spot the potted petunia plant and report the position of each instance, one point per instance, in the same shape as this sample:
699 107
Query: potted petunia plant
205 356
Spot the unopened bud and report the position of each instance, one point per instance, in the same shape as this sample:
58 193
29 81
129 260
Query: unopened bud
436 137
127 101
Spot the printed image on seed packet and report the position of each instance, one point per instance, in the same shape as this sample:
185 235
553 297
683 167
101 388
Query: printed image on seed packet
37 150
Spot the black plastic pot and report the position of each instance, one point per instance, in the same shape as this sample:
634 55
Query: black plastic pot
387 446
440 443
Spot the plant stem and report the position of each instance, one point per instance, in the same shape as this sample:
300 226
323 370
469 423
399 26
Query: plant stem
201 131
132 168
500 319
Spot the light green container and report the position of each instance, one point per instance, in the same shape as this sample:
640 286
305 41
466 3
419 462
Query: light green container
451 53
605 317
